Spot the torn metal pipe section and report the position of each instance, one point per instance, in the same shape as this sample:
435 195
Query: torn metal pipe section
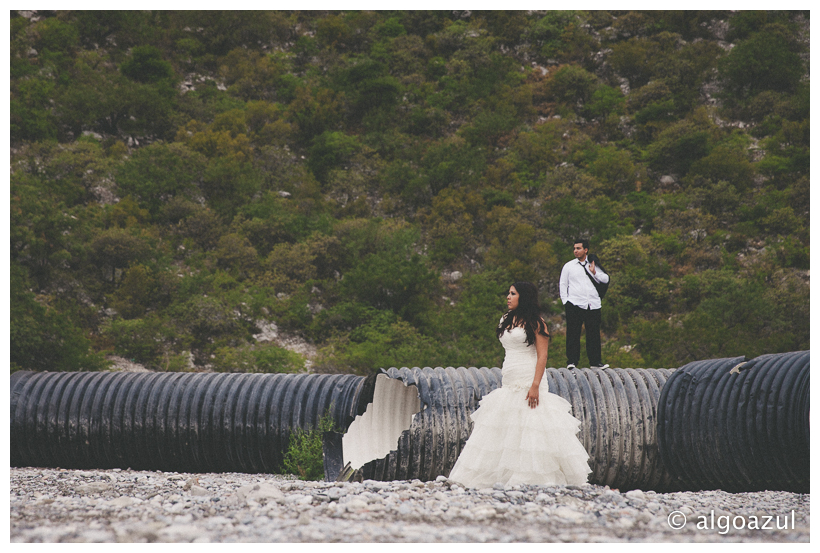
617 409
375 433
430 444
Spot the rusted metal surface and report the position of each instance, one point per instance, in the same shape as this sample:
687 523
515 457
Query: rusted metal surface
170 421
616 407
738 425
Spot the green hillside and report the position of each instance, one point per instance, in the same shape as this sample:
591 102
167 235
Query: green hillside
186 186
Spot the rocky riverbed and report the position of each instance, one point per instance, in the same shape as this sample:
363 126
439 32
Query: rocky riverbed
57 505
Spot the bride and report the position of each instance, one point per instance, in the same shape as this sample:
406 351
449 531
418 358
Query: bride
522 434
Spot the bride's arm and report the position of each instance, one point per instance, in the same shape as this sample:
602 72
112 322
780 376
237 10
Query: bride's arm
542 344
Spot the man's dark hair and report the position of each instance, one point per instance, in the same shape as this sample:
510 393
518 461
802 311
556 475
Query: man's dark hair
584 243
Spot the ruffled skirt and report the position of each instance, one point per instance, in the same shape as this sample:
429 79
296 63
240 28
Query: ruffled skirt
514 444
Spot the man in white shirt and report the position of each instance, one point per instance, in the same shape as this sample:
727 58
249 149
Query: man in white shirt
582 305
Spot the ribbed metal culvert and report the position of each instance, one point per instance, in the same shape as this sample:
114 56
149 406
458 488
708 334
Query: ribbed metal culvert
242 422
752 434
738 425
170 421
616 407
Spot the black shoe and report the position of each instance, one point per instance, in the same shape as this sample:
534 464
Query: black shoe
571 366
604 366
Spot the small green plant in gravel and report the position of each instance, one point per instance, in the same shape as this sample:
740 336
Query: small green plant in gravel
304 455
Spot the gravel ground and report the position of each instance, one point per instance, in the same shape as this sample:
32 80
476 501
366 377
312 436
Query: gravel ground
57 505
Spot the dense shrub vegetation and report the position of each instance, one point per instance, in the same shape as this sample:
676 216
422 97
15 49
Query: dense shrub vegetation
371 182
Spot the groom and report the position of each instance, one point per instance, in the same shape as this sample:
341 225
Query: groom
582 305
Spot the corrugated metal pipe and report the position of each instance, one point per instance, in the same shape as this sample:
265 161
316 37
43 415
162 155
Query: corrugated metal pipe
738 425
616 407
400 424
170 421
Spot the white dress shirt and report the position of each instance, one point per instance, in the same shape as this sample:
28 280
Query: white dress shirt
576 288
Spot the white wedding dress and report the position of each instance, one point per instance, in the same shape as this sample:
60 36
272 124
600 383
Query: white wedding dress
512 443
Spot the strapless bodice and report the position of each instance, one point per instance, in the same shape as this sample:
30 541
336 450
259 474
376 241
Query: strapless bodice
519 359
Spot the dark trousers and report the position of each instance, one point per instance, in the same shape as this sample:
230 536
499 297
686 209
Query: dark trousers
591 320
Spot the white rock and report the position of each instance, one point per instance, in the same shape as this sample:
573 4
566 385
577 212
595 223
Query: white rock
93 487
355 505
175 508
636 494
296 497
180 532
305 500
376 484
95 536
567 513
123 501
260 493
405 509
626 522
569 501
199 491
482 512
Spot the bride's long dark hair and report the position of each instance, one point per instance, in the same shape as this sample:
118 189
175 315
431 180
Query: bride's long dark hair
527 313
